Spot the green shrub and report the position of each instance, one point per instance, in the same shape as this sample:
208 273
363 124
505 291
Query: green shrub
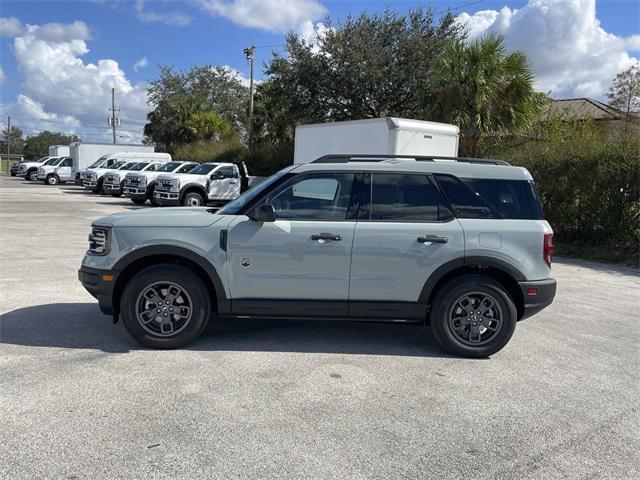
229 151
590 188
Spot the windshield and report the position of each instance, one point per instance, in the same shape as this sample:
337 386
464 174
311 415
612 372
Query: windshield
117 165
239 203
52 161
40 160
203 169
138 166
169 167
98 162
126 166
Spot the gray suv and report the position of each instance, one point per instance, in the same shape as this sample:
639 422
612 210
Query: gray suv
460 244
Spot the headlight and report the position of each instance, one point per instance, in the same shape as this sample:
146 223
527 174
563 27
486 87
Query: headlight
99 240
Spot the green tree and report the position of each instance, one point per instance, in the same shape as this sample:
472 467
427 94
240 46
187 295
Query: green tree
208 126
373 65
624 93
177 96
17 140
485 91
37 146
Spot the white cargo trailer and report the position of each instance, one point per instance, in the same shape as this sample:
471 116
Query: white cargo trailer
387 135
59 150
84 154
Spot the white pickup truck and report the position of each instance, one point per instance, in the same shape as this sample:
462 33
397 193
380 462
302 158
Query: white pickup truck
215 183
29 169
93 177
113 183
140 186
46 170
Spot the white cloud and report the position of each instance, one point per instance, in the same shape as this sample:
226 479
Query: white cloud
312 33
572 54
140 63
10 27
272 15
61 92
174 19
238 75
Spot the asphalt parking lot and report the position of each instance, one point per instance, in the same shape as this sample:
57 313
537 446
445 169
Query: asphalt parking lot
280 399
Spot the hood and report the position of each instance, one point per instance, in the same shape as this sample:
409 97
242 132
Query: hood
30 164
181 176
162 217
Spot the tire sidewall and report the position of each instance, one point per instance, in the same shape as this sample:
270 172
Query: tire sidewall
52 180
32 176
192 194
444 302
186 279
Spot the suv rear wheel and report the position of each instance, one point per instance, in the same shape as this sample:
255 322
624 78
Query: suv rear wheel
473 316
165 306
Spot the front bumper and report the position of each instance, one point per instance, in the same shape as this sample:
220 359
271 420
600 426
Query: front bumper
89 184
111 188
135 192
96 282
537 295
166 198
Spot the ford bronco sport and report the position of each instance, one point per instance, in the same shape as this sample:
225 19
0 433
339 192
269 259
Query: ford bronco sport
458 243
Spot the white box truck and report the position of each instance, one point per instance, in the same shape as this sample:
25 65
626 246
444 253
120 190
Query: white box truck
388 135
85 154
59 150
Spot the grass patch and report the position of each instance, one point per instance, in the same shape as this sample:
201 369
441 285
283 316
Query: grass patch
598 253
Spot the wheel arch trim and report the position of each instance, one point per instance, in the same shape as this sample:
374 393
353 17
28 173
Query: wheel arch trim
222 302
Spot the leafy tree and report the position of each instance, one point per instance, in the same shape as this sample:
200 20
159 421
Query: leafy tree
17 140
373 65
177 96
624 93
485 91
37 146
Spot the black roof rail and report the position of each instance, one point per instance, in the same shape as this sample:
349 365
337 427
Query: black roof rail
368 157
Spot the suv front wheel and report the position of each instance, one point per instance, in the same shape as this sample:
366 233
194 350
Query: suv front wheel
165 306
473 316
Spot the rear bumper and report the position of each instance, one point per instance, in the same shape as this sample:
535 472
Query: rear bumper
537 295
94 282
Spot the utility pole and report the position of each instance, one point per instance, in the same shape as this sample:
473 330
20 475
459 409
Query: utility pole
113 121
250 54
8 140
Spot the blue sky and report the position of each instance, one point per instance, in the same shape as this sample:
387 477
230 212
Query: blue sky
115 35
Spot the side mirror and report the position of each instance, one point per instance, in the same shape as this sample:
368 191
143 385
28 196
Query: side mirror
264 213
217 176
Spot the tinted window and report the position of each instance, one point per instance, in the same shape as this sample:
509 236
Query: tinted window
321 197
137 166
126 166
398 197
68 162
227 172
152 168
252 195
513 199
187 168
168 167
465 202
203 169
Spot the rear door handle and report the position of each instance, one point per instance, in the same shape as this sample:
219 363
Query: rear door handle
432 239
326 236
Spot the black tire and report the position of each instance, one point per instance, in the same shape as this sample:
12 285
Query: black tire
13 174
32 175
139 201
197 295
193 199
52 180
443 317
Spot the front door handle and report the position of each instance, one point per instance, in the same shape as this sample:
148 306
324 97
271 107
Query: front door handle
326 236
432 239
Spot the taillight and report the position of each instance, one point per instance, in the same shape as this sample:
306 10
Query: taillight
547 248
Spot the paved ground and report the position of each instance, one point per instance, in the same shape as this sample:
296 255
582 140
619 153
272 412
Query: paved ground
80 400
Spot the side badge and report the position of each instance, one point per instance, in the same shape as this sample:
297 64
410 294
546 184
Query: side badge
245 261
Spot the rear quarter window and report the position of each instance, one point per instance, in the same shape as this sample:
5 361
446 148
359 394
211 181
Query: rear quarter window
491 198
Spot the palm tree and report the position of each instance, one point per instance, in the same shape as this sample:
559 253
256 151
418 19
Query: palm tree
206 125
485 91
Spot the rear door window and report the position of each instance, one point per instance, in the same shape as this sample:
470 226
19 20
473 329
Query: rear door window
466 202
406 198
513 199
